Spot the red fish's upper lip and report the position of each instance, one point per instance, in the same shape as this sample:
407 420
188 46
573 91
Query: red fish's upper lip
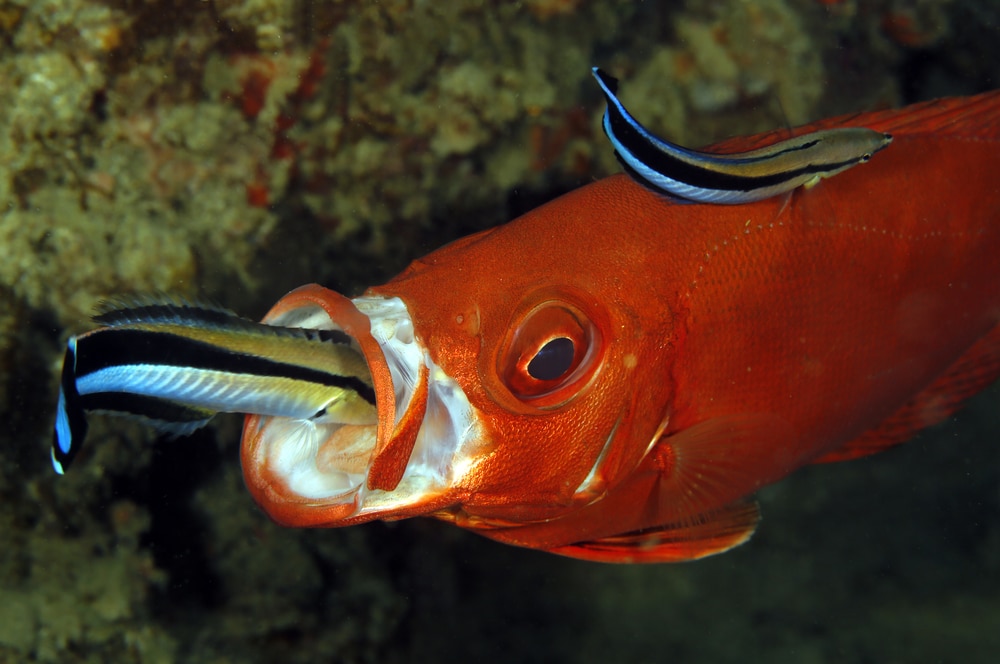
308 473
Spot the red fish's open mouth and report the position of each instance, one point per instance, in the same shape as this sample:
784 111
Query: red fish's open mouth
309 472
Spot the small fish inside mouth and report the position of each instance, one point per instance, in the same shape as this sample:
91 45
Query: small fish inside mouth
315 437
421 440
175 365
328 455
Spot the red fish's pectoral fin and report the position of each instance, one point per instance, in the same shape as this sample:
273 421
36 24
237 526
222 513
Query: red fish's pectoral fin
975 370
714 463
700 536
696 506
687 500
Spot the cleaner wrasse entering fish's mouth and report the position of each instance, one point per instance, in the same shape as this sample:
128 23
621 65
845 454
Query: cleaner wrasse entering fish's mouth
613 375
175 365
302 375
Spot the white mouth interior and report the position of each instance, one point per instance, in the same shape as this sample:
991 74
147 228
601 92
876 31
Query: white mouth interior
328 461
317 459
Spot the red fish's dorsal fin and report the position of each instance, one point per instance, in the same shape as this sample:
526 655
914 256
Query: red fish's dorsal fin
975 370
976 117
698 537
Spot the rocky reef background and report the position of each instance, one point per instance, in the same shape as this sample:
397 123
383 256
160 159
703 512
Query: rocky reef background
231 150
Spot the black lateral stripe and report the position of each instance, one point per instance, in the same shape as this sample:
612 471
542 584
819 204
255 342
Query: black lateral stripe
699 176
152 408
710 180
116 346
706 179
794 148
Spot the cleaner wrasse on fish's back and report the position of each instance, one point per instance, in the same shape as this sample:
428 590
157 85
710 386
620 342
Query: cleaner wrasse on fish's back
742 177
613 375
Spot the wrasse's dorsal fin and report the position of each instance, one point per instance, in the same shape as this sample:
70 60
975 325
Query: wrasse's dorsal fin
735 178
164 309
157 308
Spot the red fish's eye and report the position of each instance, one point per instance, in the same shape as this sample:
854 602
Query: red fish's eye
548 354
552 360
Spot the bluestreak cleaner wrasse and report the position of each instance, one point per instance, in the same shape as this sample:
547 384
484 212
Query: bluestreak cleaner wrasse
731 178
176 364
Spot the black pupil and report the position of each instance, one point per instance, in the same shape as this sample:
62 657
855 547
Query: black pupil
552 360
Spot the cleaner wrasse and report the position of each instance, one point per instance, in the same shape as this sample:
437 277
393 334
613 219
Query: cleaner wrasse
175 365
743 177
613 375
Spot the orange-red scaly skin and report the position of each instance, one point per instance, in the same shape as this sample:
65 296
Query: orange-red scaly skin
807 319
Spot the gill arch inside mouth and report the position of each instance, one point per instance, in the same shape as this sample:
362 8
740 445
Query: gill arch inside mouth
325 462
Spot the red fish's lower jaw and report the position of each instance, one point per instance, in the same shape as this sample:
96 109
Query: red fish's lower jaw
318 473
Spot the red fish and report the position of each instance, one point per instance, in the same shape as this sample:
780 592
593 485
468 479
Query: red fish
613 375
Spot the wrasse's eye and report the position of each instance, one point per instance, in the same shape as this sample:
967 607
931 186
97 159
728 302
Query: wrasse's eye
865 157
549 354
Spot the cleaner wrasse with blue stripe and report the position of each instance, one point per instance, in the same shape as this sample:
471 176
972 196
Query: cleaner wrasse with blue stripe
176 364
736 178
